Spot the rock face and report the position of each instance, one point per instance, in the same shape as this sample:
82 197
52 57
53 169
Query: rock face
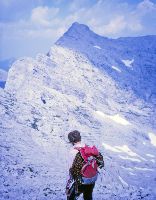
103 87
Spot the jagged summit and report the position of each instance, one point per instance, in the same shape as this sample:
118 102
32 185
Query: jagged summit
79 33
76 29
78 26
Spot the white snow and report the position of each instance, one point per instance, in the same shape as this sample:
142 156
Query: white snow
153 161
96 46
123 149
127 150
128 63
123 182
129 158
127 168
131 173
150 155
116 68
116 118
143 169
152 137
108 147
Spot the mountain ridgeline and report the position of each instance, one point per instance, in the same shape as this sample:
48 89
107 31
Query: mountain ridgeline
129 61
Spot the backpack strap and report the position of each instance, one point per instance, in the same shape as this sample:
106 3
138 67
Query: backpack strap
82 152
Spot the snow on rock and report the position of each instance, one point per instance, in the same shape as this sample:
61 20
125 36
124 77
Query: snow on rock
152 137
130 158
73 87
152 156
116 68
97 47
123 182
116 118
128 63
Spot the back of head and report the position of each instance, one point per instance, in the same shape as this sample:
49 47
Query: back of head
74 136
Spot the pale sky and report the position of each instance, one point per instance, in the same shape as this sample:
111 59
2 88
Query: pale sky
28 27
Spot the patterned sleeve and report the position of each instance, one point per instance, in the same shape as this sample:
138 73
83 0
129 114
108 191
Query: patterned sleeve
77 165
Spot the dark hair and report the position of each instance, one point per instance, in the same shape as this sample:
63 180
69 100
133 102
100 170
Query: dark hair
74 137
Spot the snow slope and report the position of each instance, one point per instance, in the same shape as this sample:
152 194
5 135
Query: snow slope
73 87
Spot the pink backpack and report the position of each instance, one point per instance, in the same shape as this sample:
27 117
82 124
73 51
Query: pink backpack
90 167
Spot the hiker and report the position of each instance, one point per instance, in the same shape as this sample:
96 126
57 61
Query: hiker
84 162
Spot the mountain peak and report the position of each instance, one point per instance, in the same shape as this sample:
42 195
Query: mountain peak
79 26
77 32
78 29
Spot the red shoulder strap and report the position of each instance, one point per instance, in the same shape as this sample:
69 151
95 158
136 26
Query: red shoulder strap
82 151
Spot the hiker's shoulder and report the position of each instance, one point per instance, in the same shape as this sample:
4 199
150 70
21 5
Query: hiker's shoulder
75 149
79 145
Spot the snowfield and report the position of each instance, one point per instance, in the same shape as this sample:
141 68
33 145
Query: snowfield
75 86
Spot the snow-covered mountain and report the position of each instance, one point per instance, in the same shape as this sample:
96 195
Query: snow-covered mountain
103 87
128 61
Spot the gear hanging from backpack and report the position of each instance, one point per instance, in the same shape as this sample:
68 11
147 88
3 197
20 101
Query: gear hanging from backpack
85 165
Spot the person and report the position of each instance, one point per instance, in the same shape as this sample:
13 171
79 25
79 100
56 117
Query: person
83 163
